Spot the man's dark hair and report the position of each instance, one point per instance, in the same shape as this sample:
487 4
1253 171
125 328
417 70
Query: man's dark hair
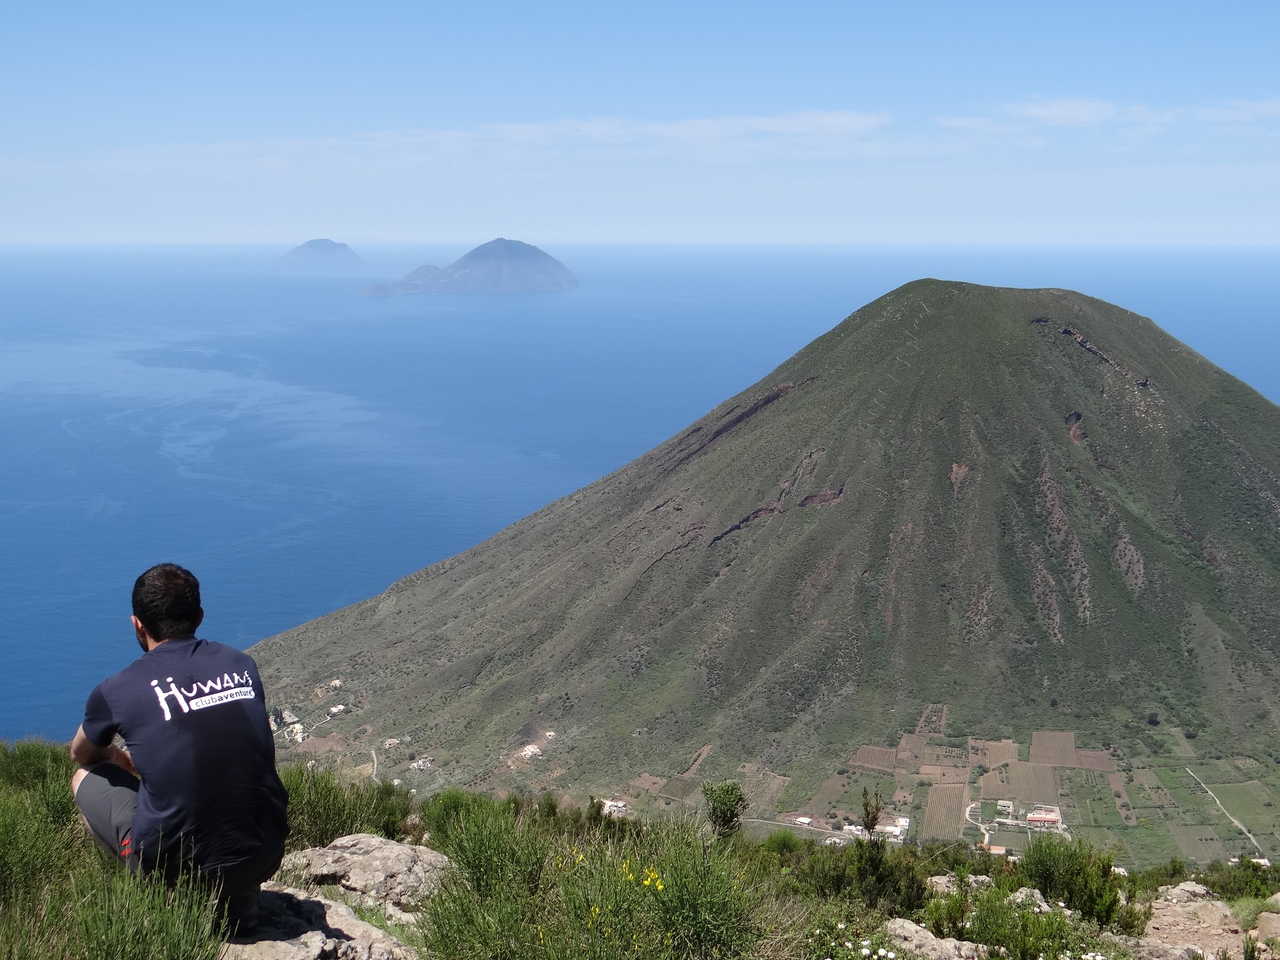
166 599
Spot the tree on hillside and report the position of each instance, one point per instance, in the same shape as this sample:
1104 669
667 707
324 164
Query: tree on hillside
872 807
725 805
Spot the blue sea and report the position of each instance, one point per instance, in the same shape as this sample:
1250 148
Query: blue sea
300 444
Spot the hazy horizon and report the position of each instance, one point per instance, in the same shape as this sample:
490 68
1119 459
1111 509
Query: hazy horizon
995 123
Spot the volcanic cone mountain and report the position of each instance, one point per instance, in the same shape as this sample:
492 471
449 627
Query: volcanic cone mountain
499 266
1030 505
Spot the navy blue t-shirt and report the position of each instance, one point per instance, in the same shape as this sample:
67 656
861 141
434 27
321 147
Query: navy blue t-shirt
193 716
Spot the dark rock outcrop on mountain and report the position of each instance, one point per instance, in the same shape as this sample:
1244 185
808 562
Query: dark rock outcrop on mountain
322 256
499 266
897 516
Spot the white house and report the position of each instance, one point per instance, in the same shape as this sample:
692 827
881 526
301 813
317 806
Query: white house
613 808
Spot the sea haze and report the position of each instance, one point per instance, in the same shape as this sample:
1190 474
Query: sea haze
300 444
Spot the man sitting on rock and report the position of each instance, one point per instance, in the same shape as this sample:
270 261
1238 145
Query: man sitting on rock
195 791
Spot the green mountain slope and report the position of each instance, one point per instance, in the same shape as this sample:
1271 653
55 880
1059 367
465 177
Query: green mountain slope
1030 505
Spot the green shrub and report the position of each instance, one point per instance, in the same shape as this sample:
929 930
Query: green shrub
1243 879
1074 873
60 898
826 872
1246 910
321 808
946 915
497 853
1018 930
725 804
33 848
783 841
442 811
883 878
26 764
659 893
116 914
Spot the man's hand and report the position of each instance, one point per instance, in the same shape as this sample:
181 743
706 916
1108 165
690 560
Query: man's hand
87 753
120 757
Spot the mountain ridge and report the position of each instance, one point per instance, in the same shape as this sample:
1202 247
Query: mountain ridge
987 497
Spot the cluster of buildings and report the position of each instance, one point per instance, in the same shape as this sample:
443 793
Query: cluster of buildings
613 808
1041 817
287 722
893 829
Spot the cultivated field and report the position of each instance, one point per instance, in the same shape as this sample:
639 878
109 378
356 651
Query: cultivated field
1136 798
680 788
939 774
1096 760
1054 747
1120 792
992 753
763 787
911 750
1025 782
1198 842
1252 804
877 758
944 815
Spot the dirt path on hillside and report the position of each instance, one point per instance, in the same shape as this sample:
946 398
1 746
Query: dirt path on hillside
1239 826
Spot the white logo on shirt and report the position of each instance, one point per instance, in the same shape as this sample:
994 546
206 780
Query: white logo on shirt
219 690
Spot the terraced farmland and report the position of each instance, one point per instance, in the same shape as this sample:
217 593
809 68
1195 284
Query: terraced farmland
944 815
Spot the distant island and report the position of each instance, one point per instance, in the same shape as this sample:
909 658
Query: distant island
322 254
499 266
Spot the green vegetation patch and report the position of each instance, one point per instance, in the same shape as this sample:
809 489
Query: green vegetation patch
1253 804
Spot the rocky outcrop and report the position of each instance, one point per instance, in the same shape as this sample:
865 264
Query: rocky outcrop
915 939
1030 897
1187 921
1143 949
1187 892
380 872
946 884
296 925
1268 925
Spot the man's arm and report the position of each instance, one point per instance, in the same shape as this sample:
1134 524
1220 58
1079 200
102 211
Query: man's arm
87 753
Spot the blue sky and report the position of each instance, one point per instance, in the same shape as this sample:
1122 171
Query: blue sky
571 122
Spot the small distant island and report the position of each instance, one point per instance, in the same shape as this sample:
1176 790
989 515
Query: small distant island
499 266
322 254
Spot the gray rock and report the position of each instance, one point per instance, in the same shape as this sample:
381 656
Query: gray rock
381 872
295 925
1144 949
1268 924
1185 892
1030 897
915 939
944 884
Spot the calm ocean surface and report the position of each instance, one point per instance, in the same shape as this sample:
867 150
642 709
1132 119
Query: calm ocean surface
300 445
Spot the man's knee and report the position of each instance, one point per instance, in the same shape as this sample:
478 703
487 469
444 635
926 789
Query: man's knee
76 779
